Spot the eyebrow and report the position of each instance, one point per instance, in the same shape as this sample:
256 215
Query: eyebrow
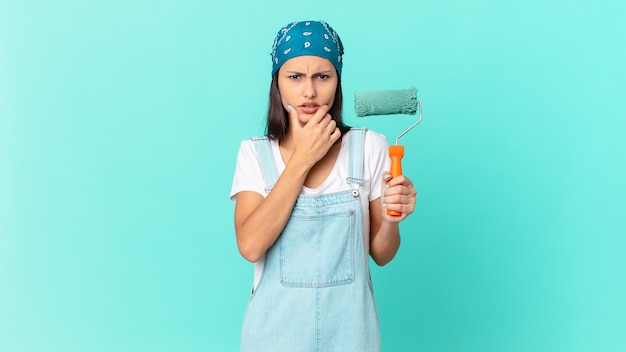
327 72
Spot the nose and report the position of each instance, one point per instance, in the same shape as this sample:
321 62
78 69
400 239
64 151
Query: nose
309 89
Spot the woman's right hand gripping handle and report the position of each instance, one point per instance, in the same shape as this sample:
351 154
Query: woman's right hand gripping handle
258 220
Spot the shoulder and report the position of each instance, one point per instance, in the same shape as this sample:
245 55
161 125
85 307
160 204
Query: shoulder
375 142
371 137
248 146
376 139
375 146
247 151
376 149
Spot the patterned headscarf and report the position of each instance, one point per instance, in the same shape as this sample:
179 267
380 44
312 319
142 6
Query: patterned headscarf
314 38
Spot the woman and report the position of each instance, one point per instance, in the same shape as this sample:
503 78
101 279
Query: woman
308 207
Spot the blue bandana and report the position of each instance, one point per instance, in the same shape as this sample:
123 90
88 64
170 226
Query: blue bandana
314 38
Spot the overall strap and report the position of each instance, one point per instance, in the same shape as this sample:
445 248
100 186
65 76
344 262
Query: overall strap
266 161
357 141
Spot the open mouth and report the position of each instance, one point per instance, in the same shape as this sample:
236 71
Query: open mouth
309 108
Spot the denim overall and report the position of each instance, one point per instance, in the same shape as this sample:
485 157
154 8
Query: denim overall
315 292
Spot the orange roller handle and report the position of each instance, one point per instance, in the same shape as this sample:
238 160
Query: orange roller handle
396 152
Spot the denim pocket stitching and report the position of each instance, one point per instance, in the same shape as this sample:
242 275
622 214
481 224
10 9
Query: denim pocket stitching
346 276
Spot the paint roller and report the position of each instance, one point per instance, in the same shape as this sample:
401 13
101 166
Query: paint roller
390 102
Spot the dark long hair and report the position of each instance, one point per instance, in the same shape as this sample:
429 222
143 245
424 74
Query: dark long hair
278 120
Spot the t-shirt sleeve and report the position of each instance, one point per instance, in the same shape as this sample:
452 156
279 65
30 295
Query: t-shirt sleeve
248 175
376 148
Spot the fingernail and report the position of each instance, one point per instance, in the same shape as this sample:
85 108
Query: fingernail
288 107
387 177
386 186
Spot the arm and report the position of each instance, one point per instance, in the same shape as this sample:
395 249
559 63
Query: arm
400 195
259 221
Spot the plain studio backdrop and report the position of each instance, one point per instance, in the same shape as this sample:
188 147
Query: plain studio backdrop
119 128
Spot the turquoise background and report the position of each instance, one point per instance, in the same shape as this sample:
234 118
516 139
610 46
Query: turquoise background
120 123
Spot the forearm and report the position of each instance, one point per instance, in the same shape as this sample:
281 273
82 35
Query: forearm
385 242
399 195
258 228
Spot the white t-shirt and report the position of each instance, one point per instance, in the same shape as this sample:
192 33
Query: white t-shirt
249 177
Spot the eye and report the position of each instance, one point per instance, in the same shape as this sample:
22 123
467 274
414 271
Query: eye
323 76
294 76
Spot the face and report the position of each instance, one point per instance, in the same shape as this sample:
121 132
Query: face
306 83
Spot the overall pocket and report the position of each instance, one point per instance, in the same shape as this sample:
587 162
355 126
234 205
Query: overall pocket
318 250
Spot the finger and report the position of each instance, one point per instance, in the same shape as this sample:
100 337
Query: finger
401 199
400 180
401 194
335 135
394 208
320 114
294 119
385 179
331 126
384 182
402 205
